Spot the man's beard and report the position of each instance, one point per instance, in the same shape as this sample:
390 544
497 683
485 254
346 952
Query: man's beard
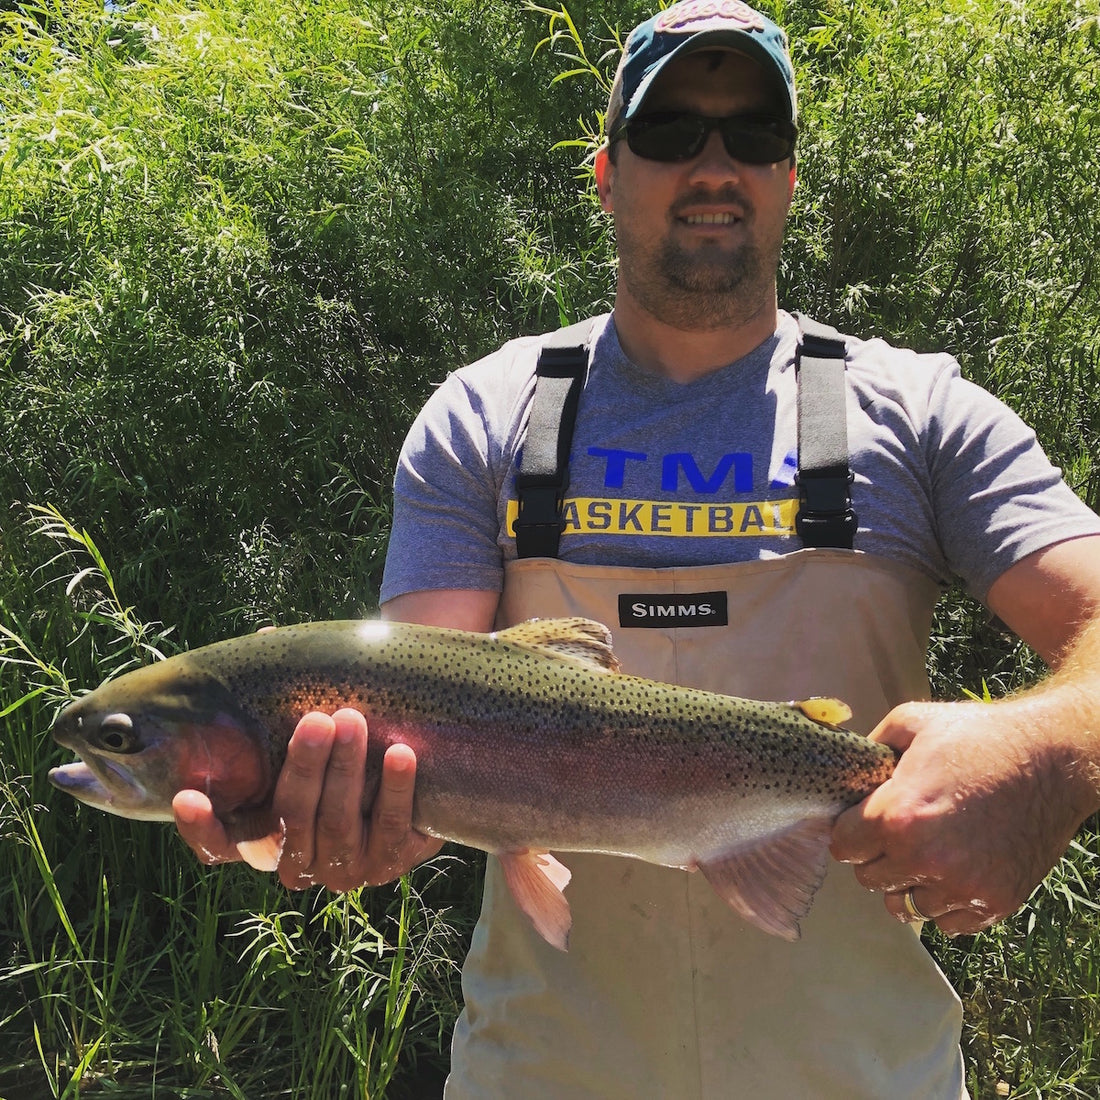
699 289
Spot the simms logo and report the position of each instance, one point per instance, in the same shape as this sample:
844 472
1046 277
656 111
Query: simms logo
684 609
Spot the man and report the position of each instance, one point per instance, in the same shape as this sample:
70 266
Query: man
682 491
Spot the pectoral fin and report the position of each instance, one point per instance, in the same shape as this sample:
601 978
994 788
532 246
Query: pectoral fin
537 880
772 883
262 852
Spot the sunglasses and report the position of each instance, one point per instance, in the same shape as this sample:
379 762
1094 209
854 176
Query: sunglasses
681 135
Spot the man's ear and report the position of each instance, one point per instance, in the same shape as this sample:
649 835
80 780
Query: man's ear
605 172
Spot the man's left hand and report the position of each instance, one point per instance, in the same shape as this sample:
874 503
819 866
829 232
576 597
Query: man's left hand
980 807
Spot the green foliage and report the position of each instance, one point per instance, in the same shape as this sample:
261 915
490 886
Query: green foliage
1031 988
239 243
950 182
127 964
240 247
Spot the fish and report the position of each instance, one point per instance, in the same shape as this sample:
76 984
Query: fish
529 741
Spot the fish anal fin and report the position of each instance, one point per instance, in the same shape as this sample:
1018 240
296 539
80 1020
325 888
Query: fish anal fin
536 880
580 641
772 883
829 712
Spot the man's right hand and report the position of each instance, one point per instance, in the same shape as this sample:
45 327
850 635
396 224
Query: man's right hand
319 795
327 840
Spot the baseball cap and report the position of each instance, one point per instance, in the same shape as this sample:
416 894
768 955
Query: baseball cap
697 25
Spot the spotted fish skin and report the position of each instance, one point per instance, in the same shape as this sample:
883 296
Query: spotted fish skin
527 740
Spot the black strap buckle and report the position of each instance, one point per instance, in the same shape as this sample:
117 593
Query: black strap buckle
539 524
825 515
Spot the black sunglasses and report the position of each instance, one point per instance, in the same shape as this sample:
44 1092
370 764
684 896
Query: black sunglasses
681 135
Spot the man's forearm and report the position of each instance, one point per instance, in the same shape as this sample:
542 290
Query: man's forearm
1066 708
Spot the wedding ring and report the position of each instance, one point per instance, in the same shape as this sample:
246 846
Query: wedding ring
911 906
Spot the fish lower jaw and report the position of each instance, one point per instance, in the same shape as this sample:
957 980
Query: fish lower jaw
80 781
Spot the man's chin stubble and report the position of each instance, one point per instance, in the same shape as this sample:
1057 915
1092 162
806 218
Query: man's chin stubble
702 297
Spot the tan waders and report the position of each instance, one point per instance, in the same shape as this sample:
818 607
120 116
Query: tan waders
665 992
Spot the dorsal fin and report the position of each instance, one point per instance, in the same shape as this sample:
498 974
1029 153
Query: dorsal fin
582 642
829 712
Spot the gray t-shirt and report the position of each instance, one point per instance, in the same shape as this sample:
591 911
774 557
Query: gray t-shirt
947 479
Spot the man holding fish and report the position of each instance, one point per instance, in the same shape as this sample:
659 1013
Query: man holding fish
749 528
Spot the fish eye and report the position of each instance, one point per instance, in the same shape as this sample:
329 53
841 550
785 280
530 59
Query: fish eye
116 734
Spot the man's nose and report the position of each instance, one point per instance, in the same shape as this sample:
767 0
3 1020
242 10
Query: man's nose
713 162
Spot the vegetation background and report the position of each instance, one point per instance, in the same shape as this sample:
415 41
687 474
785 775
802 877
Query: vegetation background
239 243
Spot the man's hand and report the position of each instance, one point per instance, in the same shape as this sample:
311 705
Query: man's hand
320 789
319 796
980 807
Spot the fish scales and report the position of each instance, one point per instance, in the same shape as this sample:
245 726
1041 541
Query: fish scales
515 703
527 741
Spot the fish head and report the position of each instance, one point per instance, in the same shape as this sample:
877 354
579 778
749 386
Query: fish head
159 730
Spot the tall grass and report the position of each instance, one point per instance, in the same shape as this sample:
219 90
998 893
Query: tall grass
239 243
1031 987
132 970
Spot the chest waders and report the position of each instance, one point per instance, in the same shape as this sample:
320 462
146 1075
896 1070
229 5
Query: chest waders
665 992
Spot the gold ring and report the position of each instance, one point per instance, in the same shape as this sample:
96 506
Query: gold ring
911 906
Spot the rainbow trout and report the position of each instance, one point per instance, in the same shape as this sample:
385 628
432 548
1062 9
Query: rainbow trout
528 740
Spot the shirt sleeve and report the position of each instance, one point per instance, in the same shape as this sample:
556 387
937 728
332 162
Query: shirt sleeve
449 509
997 496
445 524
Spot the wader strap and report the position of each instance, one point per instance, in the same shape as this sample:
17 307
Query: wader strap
544 465
825 516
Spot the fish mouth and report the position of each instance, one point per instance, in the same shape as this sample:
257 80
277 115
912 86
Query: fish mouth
107 786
